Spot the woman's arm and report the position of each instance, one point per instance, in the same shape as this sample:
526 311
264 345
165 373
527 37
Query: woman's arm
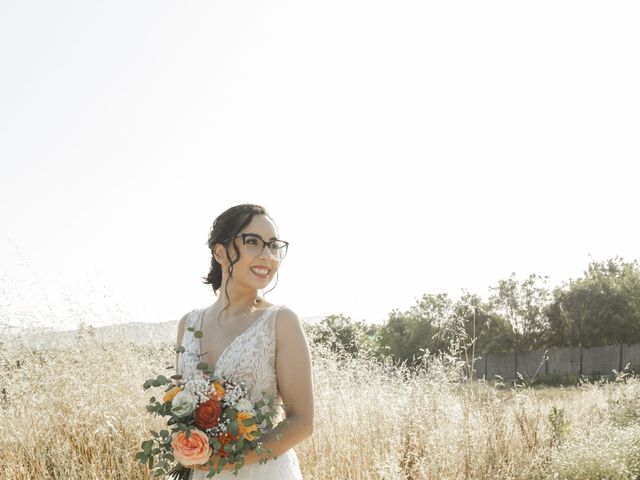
295 382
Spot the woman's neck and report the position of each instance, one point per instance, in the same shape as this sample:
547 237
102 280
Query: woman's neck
238 302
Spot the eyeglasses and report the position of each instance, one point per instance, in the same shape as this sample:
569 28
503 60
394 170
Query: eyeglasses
254 244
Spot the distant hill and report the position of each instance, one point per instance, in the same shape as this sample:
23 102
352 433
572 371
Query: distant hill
133 332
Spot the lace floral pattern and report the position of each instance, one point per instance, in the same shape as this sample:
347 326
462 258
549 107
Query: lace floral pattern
249 358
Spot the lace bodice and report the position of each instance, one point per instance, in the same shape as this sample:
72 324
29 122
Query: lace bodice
249 358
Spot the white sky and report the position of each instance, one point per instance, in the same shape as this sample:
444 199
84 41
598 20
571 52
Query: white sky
402 147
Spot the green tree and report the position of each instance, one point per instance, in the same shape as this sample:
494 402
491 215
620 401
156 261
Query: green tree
600 308
343 335
524 305
492 332
406 335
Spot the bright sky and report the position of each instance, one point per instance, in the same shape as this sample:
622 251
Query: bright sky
403 148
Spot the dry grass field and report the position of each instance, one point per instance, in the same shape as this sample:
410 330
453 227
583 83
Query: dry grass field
78 413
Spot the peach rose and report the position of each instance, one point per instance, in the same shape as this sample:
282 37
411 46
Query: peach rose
171 393
194 450
244 430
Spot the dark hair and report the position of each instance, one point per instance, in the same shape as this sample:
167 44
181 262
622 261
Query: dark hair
229 223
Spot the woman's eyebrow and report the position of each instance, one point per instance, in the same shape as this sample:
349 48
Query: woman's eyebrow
260 236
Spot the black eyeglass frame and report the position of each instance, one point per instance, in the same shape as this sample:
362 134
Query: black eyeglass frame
264 243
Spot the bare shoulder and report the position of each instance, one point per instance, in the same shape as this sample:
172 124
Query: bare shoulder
287 318
288 324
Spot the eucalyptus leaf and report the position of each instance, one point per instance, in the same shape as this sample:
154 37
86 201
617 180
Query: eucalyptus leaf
180 349
233 428
197 334
249 421
146 446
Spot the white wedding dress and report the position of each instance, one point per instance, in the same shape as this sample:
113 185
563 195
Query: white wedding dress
250 357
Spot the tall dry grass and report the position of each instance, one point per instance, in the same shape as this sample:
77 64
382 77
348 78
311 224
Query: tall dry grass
78 413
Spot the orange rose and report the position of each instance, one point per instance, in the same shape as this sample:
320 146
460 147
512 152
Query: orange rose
225 438
219 389
194 450
171 393
244 430
208 413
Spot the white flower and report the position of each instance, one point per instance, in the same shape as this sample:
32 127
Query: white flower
200 388
244 405
183 404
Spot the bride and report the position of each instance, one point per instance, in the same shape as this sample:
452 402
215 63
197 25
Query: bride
247 339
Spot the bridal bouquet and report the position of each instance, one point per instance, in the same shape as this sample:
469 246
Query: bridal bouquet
210 421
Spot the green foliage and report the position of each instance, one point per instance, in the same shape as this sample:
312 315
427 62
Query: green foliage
559 425
556 380
520 315
424 327
344 336
523 304
601 308
492 333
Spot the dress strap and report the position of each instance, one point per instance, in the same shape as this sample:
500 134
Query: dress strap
188 359
188 339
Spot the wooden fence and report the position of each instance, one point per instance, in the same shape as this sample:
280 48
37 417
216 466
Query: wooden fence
587 362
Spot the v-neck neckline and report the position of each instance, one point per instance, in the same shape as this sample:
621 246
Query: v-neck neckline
215 365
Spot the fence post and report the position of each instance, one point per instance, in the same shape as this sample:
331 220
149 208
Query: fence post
485 365
546 362
580 366
620 360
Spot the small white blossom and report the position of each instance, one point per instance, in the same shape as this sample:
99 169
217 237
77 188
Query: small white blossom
200 388
233 394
